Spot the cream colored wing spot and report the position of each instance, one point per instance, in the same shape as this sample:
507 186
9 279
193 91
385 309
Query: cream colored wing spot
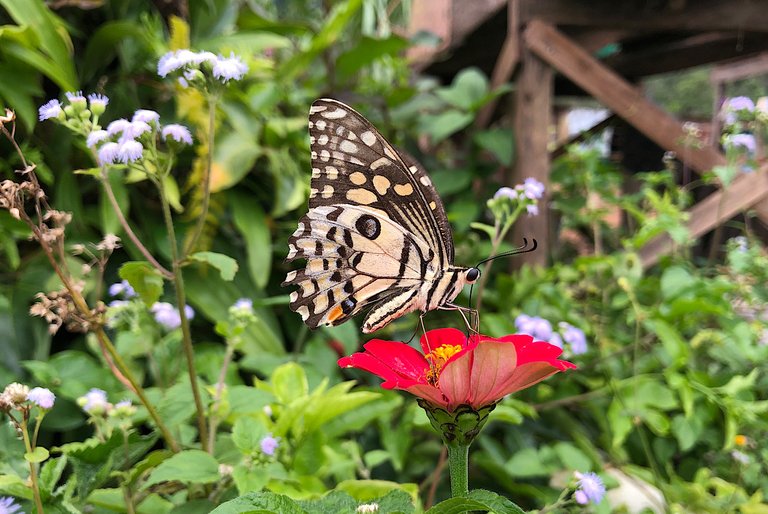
312 140
351 135
290 276
317 108
294 296
334 114
361 196
315 172
321 302
303 312
413 169
322 140
368 138
432 205
313 192
348 146
381 184
425 181
313 154
403 189
389 153
311 124
378 163
291 251
325 156
357 178
320 124
327 191
332 172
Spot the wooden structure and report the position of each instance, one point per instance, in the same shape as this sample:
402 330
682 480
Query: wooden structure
548 47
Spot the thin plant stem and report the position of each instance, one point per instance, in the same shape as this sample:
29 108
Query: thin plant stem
198 230
458 463
127 227
214 420
32 467
181 301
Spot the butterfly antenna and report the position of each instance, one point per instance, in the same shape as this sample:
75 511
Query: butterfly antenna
517 251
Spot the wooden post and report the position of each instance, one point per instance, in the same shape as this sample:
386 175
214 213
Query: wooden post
533 113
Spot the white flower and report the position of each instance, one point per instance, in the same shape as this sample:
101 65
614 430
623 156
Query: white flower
108 153
41 397
145 115
97 136
94 401
229 68
168 315
178 133
116 127
51 109
129 151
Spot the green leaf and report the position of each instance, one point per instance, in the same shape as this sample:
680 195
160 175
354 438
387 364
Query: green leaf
289 382
260 503
103 44
675 281
477 500
226 265
234 157
366 51
500 142
109 220
247 434
251 220
144 279
467 91
442 125
188 466
39 454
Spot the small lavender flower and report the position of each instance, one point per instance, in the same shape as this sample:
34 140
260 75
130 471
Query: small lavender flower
532 209
533 189
94 401
168 63
129 151
556 340
97 102
95 137
574 337
746 141
122 288
245 304
534 326
146 115
590 488
168 315
135 129
41 397
741 243
226 69
51 109
76 99
9 506
116 127
740 457
269 445
740 103
506 192
178 133
115 304
108 153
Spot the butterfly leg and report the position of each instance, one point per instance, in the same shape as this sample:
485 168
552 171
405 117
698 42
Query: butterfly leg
474 316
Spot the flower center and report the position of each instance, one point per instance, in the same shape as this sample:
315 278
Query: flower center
437 359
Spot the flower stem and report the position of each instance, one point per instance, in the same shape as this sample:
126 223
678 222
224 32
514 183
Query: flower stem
32 467
181 301
214 420
458 462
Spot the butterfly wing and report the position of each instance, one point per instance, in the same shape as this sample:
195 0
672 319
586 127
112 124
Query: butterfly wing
375 223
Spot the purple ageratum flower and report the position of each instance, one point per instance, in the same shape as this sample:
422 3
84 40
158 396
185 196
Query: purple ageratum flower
51 109
574 337
168 315
9 506
135 129
129 151
114 304
746 141
122 288
556 340
229 68
108 153
178 133
76 98
532 209
117 127
269 444
534 326
98 101
41 397
244 304
146 116
506 192
590 488
740 103
95 137
94 401
533 189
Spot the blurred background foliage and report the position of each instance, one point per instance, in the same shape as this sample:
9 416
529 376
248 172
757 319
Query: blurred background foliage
673 372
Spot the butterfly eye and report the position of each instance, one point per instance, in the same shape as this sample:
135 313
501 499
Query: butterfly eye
472 275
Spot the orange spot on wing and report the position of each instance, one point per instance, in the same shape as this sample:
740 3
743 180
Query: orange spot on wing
335 313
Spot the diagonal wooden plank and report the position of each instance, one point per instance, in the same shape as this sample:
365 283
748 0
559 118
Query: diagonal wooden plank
745 192
610 89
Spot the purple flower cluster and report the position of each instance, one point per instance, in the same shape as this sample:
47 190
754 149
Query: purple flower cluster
269 444
528 193
9 506
168 315
41 397
590 488
187 62
123 289
541 329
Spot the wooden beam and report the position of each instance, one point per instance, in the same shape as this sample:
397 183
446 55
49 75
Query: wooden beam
533 113
506 62
745 192
562 146
740 69
692 15
610 89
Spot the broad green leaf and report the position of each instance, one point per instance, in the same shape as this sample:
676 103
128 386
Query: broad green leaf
110 223
526 463
366 51
260 503
571 456
172 194
234 156
739 383
14 485
251 220
247 434
477 500
50 473
674 281
188 466
445 124
289 382
18 88
499 142
145 280
467 91
226 265
103 43
39 454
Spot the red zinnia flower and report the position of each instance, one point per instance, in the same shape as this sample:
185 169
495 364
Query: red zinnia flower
454 370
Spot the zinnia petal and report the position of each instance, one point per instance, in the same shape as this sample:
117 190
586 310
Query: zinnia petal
494 362
399 364
442 336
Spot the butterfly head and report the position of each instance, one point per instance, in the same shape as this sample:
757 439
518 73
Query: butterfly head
471 275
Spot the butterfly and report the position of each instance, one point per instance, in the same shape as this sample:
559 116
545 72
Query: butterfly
376 231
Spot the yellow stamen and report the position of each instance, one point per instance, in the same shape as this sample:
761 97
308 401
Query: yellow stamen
740 440
437 359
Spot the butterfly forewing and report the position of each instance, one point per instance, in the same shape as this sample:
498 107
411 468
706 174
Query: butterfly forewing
376 230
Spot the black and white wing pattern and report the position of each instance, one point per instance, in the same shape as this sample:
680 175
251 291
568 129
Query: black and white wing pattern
376 230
